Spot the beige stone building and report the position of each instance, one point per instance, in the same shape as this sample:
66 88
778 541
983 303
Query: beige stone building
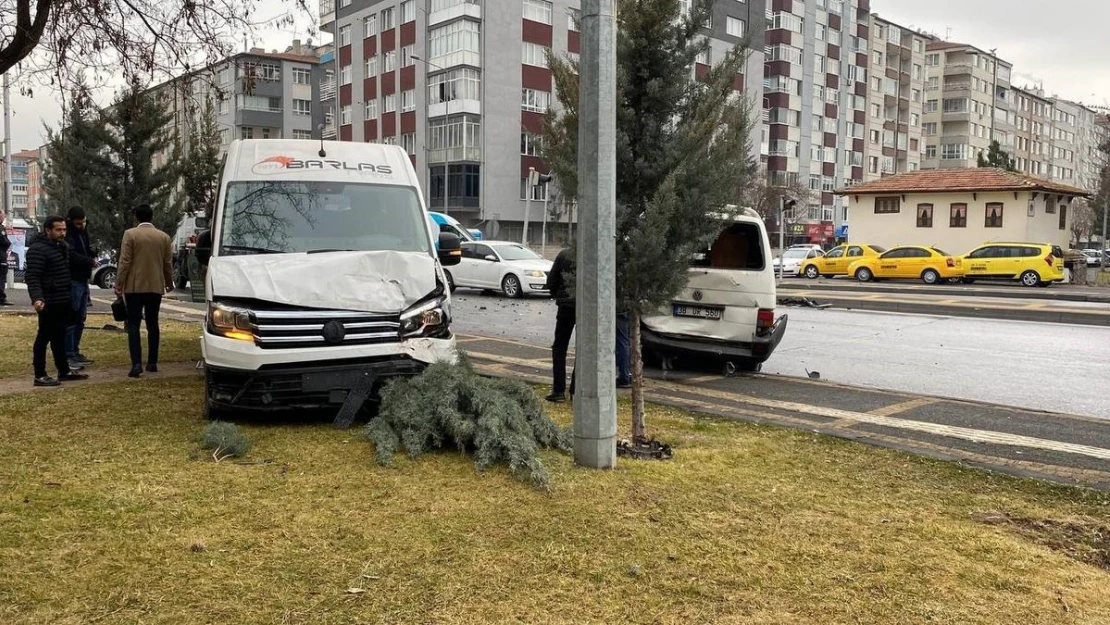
895 99
959 209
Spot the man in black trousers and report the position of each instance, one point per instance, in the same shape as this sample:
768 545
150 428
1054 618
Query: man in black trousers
5 246
48 284
559 288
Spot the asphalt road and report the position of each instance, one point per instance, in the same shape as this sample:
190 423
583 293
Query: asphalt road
1038 366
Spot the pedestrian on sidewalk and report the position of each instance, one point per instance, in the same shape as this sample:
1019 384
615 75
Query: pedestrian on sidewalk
48 284
145 275
82 261
5 247
558 288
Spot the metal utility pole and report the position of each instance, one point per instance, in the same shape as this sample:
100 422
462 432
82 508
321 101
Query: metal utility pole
529 185
545 179
994 89
1105 211
8 167
595 403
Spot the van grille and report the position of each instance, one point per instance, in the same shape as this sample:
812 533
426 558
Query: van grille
286 329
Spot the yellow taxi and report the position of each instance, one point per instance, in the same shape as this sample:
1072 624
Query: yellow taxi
928 264
1034 264
836 261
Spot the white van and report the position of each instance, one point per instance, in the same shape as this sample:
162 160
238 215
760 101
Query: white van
727 309
323 277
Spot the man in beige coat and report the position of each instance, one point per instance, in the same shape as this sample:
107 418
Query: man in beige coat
145 274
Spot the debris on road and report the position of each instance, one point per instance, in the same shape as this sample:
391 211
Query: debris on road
803 302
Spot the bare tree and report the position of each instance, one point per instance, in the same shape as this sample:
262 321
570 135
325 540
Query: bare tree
765 199
136 38
1082 221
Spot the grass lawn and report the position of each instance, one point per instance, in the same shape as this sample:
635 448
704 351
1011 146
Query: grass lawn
109 514
180 342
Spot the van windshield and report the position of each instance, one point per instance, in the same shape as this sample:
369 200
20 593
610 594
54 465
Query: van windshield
277 217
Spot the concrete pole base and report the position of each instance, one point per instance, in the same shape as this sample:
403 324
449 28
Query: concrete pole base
596 453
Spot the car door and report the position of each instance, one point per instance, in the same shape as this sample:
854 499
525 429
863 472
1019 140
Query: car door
466 272
889 264
834 262
487 272
978 262
915 262
852 253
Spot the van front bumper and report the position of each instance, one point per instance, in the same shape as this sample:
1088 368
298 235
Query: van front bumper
758 350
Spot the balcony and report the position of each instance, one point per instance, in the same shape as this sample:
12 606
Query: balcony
329 132
455 154
327 90
958 69
461 8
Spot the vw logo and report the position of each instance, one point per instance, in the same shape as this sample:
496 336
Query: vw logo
334 332
697 296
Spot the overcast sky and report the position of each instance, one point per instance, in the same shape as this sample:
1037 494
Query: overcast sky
1067 53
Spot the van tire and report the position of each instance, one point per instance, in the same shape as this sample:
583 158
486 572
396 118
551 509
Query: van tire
512 287
930 277
450 280
863 274
1031 278
211 412
811 272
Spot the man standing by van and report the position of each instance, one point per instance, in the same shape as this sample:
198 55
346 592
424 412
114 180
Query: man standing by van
82 261
145 275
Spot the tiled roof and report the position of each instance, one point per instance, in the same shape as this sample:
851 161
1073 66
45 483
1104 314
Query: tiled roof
957 180
26 154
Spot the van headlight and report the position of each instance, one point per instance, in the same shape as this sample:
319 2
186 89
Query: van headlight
430 318
230 322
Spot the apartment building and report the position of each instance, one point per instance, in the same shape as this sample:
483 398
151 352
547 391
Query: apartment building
1033 123
895 99
1057 139
816 99
968 101
463 86
19 205
36 193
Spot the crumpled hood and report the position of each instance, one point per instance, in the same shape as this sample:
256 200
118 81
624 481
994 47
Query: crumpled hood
373 282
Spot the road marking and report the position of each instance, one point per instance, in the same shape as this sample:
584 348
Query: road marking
906 406
170 307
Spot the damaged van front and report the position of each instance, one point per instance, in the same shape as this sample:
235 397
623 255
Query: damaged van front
727 309
323 277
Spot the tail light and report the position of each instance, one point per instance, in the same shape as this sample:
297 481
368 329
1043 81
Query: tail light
951 261
1049 259
764 321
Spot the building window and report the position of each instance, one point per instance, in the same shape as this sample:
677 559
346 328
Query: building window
406 56
408 11
873 164
408 101
345 35
369 26
958 216
258 103
574 18
734 27
302 107
390 61
539 192
345 115
1063 216
372 66
994 215
225 76
876 137
457 84
534 100
534 54
301 76
452 39
225 107
931 106
302 135
924 215
408 142
389 103
530 144
387 18
246 132
345 75
887 205
371 111
930 151
537 11
225 136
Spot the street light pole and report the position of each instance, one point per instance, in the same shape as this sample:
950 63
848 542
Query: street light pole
446 131
529 185
8 203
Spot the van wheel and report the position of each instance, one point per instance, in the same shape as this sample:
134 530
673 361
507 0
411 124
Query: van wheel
811 272
450 280
863 274
1030 278
211 412
930 276
510 286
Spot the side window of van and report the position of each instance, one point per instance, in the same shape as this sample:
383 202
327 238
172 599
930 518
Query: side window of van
739 246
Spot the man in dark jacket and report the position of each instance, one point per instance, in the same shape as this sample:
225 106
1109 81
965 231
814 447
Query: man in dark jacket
5 246
560 290
82 261
48 284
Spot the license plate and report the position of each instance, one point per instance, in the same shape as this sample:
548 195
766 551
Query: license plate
697 311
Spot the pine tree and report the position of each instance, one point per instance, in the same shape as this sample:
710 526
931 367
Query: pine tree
683 155
145 163
200 175
77 162
999 158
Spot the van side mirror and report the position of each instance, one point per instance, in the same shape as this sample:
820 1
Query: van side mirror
450 249
203 249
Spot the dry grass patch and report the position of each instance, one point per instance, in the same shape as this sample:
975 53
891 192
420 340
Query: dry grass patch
180 342
104 517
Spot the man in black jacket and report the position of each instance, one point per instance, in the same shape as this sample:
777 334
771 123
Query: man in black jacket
82 261
560 290
5 246
48 284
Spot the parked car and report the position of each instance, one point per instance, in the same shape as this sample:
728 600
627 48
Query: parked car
727 309
104 276
836 261
1094 257
928 264
1034 264
508 267
792 260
